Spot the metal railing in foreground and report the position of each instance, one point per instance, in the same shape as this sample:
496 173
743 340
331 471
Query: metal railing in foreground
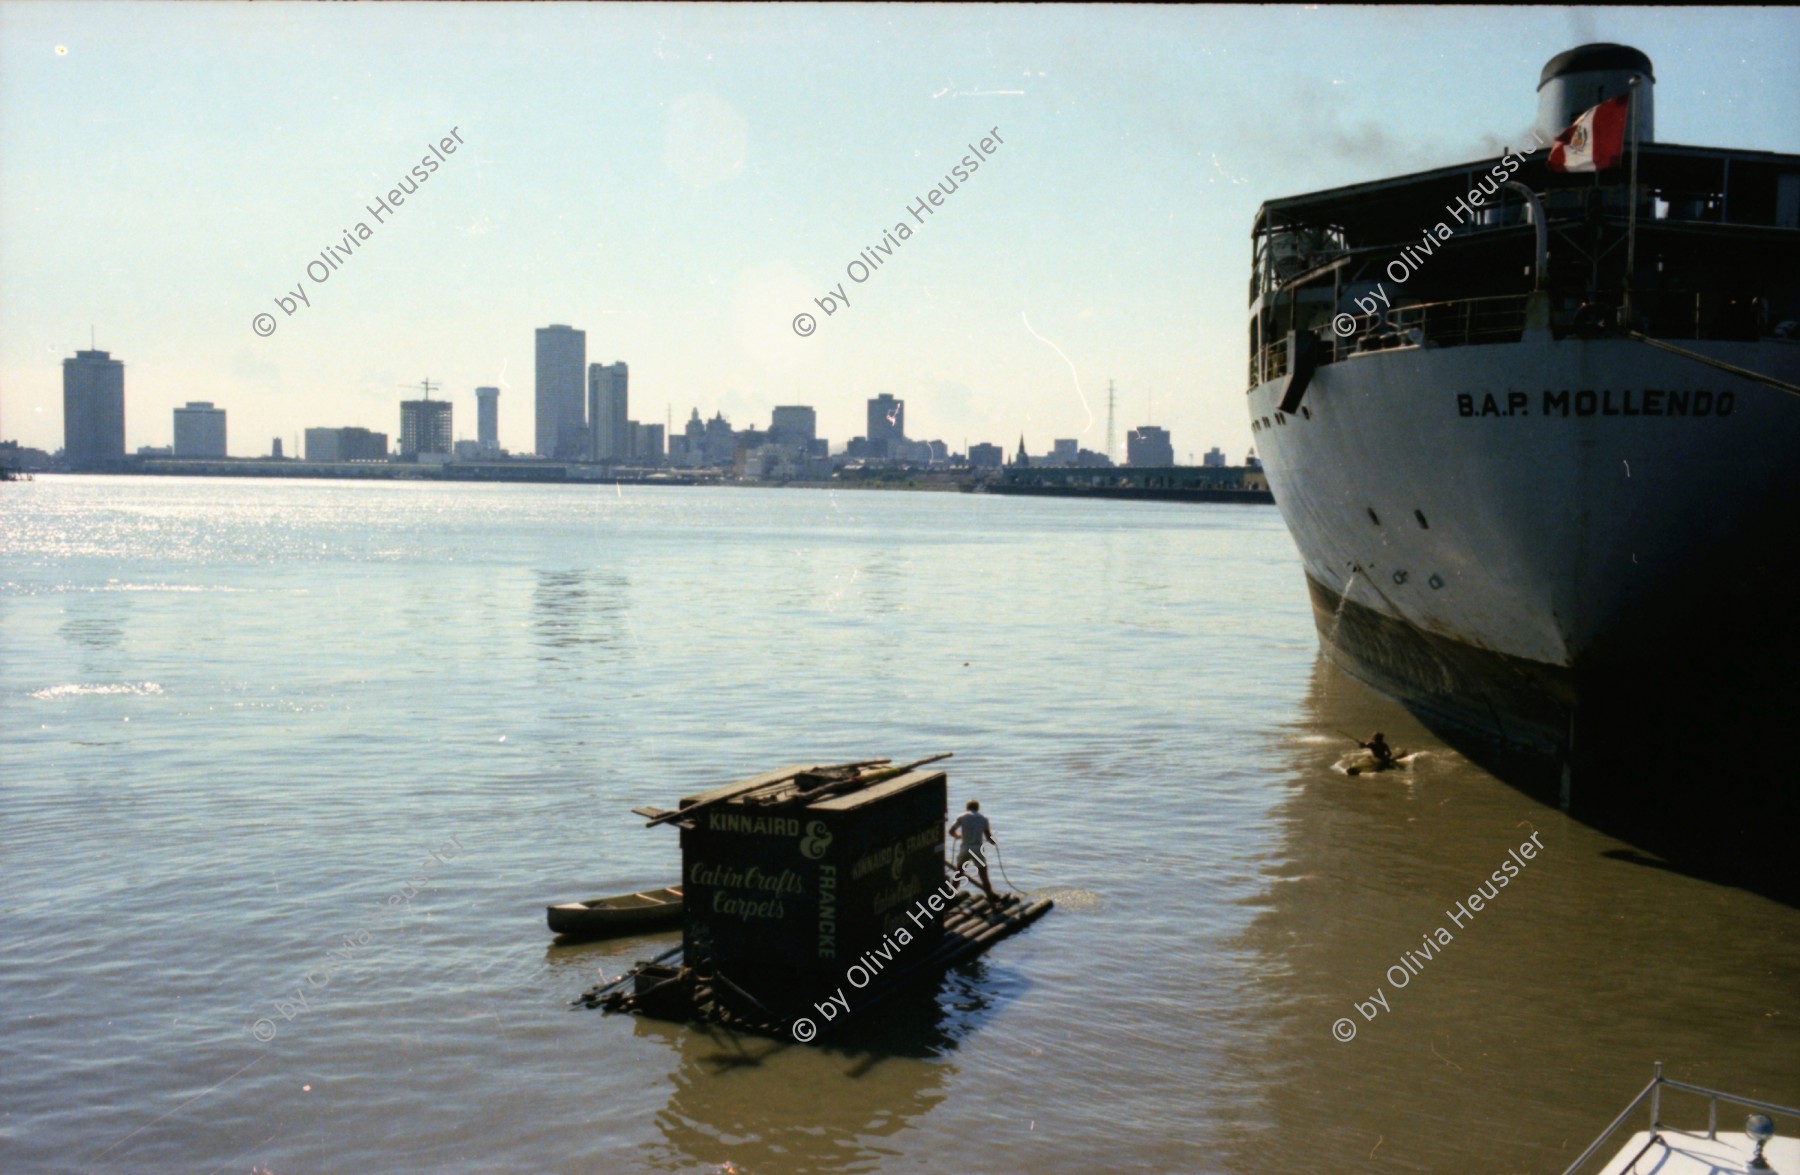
1653 1092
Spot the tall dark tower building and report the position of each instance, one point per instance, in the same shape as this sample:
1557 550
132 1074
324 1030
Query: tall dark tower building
1149 445
794 424
93 409
561 380
887 423
487 419
609 416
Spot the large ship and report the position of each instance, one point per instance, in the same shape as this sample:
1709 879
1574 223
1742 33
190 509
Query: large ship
1536 432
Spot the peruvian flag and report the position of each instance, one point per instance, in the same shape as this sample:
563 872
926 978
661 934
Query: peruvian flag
1595 141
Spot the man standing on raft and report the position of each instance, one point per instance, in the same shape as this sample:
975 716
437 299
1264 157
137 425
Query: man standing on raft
973 830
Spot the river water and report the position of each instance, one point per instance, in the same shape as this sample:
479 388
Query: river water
237 716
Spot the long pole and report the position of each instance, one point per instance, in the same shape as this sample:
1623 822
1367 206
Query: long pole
1631 216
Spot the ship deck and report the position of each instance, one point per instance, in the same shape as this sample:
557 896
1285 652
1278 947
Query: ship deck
1676 1152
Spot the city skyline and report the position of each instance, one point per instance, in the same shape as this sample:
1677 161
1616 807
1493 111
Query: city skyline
606 432
686 212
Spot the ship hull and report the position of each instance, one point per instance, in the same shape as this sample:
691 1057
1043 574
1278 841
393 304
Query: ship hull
1576 558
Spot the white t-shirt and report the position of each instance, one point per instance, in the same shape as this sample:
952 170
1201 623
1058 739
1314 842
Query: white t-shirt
974 827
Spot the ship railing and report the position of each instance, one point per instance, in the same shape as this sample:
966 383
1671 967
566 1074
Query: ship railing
1461 322
1653 1094
1272 365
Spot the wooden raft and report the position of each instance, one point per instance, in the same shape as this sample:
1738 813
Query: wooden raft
971 925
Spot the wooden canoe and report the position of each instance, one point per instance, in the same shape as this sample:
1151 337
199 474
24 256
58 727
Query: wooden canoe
1367 764
625 914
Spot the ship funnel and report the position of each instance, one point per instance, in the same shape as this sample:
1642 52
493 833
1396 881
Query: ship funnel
1582 78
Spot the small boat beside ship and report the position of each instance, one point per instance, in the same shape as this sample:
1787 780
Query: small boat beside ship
630 913
1365 762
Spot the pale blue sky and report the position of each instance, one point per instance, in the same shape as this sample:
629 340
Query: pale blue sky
681 181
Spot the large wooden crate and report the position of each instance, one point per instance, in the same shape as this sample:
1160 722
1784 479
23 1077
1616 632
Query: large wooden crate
782 901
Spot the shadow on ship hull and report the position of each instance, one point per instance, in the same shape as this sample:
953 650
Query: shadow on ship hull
1686 757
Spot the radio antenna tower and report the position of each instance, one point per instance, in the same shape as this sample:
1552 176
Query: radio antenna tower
1109 420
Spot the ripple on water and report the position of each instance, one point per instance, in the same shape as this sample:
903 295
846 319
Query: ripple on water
1068 897
140 689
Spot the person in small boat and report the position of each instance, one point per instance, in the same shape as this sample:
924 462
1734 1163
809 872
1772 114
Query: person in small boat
973 831
1384 754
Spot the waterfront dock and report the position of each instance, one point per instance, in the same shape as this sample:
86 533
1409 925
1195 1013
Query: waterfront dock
1172 483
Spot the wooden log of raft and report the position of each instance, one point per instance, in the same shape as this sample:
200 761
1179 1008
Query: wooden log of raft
747 787
864 779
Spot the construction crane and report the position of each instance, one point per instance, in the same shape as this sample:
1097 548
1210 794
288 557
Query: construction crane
425 384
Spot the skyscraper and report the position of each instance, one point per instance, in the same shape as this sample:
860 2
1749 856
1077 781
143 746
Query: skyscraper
609 417
487 419
93 409
1149 445
985 456
424 427
649 449
887 423
561 413
687 447
200 430
794 425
